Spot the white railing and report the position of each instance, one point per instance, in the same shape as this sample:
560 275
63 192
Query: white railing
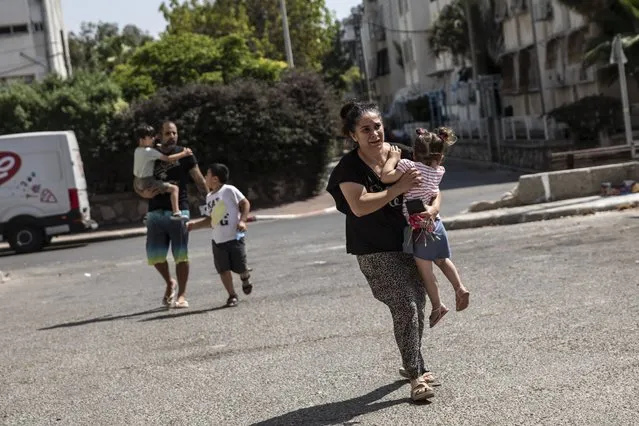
470 129
531 128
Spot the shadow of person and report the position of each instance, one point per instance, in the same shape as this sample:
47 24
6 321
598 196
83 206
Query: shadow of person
339 412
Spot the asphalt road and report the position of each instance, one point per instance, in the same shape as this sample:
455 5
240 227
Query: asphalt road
551 336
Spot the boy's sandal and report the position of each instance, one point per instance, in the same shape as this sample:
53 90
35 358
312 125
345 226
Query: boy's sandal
247 287
437 314
421 391
462 299
231 301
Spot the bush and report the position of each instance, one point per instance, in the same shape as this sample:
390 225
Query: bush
588 116
276 139
85 103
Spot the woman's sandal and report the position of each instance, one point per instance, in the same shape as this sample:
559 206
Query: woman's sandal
462 299
427 376
420 391
437 314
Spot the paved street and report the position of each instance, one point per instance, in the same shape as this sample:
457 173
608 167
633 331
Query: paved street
551 336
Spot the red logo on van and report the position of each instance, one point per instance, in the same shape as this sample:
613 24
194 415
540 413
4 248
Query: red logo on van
9 165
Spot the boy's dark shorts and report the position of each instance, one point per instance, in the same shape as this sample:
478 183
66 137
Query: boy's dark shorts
230 256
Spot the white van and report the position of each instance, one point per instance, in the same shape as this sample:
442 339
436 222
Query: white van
43 192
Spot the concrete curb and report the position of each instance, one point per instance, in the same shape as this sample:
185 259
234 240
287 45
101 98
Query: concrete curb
141 231
534 214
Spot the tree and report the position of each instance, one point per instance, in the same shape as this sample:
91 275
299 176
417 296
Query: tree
311 25
611 17
449 34
180 59
336 64
102 46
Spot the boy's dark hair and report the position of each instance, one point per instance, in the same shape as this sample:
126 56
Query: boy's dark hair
220 171
144 131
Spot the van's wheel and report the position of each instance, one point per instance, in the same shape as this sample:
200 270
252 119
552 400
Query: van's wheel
26 239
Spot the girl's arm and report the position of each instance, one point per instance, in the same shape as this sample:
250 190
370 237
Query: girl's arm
390 174
362 202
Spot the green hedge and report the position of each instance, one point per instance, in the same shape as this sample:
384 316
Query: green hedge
276 138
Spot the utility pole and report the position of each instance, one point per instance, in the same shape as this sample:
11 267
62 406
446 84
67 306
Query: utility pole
619 57
287 35
471 38
540 68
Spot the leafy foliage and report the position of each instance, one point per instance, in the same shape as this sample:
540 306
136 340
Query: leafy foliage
449 34
180 59
102 46
259 22
276 139
588 116
612 17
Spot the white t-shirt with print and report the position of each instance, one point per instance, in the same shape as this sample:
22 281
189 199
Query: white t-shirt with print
223 209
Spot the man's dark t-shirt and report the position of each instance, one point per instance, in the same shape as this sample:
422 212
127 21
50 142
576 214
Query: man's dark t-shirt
176 173
377 232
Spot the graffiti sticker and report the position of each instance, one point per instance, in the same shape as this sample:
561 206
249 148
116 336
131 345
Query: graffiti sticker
9 165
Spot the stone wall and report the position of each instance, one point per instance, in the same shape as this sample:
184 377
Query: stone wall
527 155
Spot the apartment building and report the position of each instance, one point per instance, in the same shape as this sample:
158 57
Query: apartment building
33 40
381 45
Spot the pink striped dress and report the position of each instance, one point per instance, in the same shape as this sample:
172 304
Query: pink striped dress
429 187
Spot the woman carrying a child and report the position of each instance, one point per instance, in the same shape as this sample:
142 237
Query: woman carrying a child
375 234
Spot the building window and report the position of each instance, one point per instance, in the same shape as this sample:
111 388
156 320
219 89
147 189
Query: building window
383 64
37 26
14 29
552 53
20 29
528 78
508 73
576 46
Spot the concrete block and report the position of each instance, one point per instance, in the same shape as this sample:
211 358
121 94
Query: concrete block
613 173
530 189
575 183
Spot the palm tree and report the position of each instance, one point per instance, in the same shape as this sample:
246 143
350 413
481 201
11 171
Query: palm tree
611 17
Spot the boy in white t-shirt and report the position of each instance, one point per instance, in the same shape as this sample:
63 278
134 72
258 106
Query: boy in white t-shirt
227 211
144 182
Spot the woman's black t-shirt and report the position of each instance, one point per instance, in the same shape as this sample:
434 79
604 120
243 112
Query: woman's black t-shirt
377 232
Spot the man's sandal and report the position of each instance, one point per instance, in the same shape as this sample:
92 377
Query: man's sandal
421 391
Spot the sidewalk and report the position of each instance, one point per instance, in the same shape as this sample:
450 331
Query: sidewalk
544 211
319 205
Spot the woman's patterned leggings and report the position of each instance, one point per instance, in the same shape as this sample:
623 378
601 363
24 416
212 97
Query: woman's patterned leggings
394 280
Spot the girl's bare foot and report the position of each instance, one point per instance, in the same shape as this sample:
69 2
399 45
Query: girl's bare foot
462 298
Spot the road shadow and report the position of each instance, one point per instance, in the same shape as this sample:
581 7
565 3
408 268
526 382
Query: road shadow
104 318
182 313
6 251
342 412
